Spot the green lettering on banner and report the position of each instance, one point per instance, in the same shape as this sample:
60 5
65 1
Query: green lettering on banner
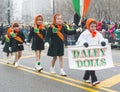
102 52
79 64
78 53
87 63
103 61
84 53
95 53
97 62
94 62
89 52
75 54
91 61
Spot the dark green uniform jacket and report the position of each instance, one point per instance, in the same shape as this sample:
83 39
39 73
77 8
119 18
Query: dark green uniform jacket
6 46
37 42
16 45
56 47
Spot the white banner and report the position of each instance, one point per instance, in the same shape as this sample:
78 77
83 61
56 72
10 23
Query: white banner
91 58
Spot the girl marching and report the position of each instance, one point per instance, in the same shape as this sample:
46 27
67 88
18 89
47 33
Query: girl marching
6 47
37 35
88 38
55 39
16 42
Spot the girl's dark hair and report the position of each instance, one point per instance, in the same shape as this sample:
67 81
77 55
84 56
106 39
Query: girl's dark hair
93 22
15 25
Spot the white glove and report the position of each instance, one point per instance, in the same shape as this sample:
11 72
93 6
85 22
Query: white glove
28 44
79 29
73 24
116 43
25 40
46 45
10 49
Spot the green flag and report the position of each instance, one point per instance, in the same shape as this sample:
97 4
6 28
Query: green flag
81 6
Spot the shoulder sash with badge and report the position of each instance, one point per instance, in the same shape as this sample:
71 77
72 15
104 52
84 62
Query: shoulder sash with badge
36 30
57 31
16 37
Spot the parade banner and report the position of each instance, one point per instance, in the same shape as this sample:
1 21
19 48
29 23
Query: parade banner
91 58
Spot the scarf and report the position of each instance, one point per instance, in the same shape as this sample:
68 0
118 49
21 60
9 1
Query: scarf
57 31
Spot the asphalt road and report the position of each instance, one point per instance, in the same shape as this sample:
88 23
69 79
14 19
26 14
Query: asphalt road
26 79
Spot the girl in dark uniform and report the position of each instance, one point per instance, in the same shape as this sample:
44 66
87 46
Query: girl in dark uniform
16 42
37 35
55 39
6 43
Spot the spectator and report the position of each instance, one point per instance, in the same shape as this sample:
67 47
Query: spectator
2 30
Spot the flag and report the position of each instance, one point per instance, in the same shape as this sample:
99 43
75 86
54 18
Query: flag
81 6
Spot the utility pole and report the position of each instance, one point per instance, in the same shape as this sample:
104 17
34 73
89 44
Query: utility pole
9 12
53 6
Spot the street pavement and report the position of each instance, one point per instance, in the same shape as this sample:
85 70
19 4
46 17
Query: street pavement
26 79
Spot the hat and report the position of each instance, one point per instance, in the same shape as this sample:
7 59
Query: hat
89 21
36 18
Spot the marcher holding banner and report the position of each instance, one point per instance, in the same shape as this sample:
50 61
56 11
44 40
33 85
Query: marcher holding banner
16 42
55 37
88 38
37 33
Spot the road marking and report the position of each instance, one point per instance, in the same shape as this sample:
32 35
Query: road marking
106 83
53 78
33 55
117 64
66 78
28 56
111 81
70 79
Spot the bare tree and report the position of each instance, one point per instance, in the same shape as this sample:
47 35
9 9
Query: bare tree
27 19
105 9
65 8
4 10
99 9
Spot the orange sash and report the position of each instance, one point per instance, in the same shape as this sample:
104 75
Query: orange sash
40 35
19 39
60 35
